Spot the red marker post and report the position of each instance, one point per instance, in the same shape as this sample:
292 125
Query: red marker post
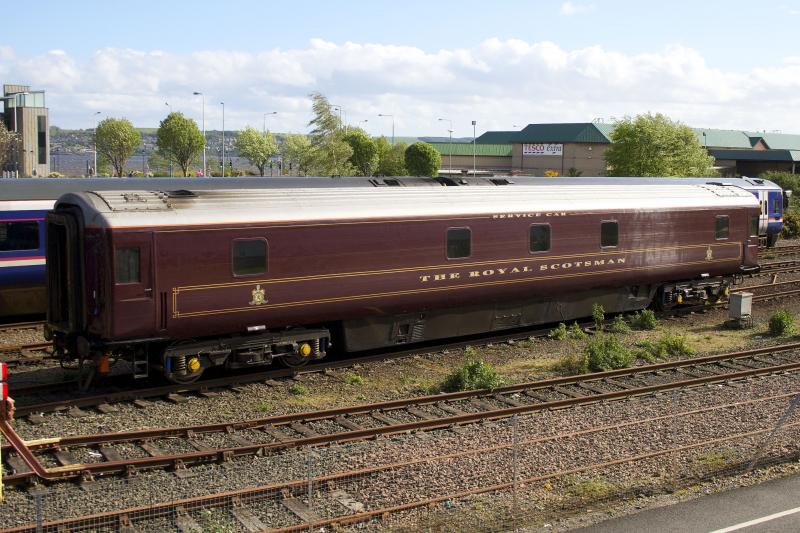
6 411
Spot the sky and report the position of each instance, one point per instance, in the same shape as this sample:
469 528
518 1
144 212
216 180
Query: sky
504 64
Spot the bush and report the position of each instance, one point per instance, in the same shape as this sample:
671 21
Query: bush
576 332
55 175
474 374
644 320
619 325
422 159
570 365
598 315
791 225
781 323
669 345
606 352
559 333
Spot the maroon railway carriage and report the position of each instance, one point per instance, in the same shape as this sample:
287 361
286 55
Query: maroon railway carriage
183 281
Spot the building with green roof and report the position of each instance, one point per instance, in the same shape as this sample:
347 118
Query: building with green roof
578 148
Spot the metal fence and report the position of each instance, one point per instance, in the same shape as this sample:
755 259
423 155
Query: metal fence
498 475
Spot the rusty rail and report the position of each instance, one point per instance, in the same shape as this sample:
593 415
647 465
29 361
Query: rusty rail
126 517
26 450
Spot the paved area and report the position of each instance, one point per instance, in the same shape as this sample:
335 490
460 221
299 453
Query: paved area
772 507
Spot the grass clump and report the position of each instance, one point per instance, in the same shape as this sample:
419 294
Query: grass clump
619 325
575 332
351 378
781 323
469 351
298 389
559 333
644 320
474 374
598 315
571 365
606 352
669 345
588 489
717 459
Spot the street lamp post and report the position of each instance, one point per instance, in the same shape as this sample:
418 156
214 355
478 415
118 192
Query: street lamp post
474 123
264 128
392 117
450 147
223 138
341 110
94 171
196 93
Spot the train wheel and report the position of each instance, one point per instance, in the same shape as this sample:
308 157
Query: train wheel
189 367
294 361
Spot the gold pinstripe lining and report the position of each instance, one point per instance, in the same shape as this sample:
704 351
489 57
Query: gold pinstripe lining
529 259
440 289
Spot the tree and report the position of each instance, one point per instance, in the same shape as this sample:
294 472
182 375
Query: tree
117 140
8 143
365 151
331 154
257 147
422 159
653 145
178 138
296 149
391 159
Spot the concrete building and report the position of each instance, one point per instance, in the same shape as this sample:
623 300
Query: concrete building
25 113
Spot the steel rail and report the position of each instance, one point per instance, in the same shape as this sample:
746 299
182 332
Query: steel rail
394 405
25 450
765 286
120 518
254 377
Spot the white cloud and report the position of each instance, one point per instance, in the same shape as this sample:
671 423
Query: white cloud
570 8
497 82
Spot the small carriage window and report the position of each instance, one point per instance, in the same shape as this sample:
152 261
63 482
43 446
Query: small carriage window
127 265
609 233
19 236
249 257
722 227
458 243
754 226
540 237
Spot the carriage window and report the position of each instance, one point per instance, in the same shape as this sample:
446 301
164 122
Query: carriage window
609 233
249 257
19 236
539 237
458 243
722 227
127 265
754 226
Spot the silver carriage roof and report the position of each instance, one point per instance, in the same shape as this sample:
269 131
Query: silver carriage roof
241 206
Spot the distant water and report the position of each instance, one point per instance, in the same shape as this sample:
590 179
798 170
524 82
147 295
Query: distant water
78 164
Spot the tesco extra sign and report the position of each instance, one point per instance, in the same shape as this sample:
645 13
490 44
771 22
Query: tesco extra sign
542 149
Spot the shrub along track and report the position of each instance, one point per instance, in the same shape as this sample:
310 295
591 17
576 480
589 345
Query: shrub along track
166 447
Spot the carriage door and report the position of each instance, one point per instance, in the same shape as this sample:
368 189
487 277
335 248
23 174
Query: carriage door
134 310
764 218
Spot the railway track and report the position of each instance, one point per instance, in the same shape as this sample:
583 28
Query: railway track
327 490
21 325
17 354
214 443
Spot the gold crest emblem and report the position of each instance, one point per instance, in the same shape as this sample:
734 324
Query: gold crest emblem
259 296
709 254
